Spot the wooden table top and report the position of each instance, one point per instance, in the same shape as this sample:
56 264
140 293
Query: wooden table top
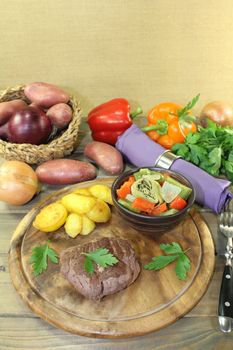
22 329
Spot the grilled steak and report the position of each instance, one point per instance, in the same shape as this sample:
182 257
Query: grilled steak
103 281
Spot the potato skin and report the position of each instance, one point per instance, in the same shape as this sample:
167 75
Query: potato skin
60 115
7 109
45 95
105 156
65 171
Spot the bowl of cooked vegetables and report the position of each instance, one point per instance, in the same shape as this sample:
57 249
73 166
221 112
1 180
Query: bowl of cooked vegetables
152 199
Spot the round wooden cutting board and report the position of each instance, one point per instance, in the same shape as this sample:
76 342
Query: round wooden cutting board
154 300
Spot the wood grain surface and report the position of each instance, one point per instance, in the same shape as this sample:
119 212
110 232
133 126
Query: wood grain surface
101 50
155 300
22 329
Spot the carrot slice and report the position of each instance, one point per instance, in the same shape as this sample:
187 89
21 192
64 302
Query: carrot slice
143 205
159 209
179 203
125 188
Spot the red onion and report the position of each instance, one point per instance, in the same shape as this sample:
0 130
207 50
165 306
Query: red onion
29 125
4 132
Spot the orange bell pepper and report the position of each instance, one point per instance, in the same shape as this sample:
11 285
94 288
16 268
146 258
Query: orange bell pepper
169 123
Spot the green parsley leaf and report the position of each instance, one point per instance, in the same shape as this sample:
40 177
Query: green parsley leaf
88 265
159 262
197 154
181 150
172 248
229 169
182 260
189 106
52 255
101 257
192 138
39 257
182 267
205 165
230 156
215 159
211 124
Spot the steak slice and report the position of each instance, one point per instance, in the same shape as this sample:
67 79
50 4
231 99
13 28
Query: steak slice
103 281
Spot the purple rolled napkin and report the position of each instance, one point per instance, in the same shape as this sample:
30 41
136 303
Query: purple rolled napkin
141 151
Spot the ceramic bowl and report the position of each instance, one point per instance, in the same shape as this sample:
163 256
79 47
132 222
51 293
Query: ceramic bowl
151 224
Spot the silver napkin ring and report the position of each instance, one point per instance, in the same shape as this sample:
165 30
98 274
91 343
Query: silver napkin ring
166 159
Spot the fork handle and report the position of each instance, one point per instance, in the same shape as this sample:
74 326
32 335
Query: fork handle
225 306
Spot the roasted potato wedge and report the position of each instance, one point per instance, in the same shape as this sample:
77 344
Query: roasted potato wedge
87 225
83 191
73 225
101 192
100 212
77 203
51 217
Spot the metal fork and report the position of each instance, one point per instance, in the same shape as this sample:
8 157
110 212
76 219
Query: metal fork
225 306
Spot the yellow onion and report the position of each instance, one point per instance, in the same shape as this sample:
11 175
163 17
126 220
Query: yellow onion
219 112
18 182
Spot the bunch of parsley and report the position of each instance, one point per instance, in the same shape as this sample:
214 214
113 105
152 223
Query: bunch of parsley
210 148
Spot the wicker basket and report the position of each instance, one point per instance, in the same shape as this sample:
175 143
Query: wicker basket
59 147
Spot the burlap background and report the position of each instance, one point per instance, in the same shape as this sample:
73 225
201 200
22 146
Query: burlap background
147 51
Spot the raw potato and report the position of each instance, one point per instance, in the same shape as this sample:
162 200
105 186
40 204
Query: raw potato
77 203
65 171
51 217
73 225
60 115
8 108
101 192
87 225
45 95
106 156
100 212
83 191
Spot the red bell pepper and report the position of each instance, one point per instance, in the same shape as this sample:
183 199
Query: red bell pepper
110 119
